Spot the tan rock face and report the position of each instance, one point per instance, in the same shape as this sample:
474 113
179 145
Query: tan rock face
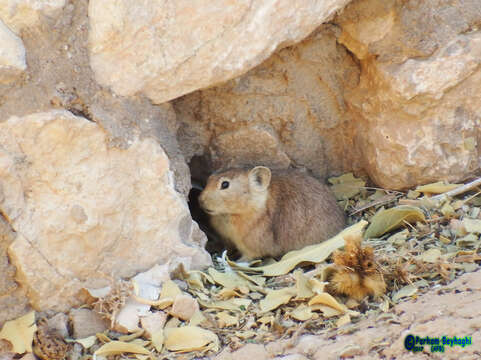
18 14
12 55
417 108
288 111
170 49
83 211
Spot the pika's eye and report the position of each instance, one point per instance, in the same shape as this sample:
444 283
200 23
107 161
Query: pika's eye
224 185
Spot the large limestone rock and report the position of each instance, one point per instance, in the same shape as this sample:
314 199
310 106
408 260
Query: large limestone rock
59 75
290 110
19 14
12 55
84 212
418 105
167 49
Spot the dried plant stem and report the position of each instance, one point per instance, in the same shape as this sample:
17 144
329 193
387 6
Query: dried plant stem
459 190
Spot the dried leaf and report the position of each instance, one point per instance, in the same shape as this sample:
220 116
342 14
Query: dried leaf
157 339
99 293
120 347
343 320
399 238
227 279
234 304
468 241
301 313
190 338
390 219
310 254
327 311
244 335
20 332
302 285
276 298
130 337
329 300
406 291
346 186
225 319
168 293
87 342
447 210
472 225
318 286
225 294
197 319
255 279
431 255
437 188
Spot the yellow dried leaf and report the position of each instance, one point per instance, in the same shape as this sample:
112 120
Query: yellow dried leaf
197 319
227 279
244 335
346 186
190 338
408 290
472 225
431 255
19 333
103 338
390 219
447 210
276 298
317 286
343 320
169 290
157 339
269 319
301 313
228 294
194 279
234 304
167 295
87 342
327 311
437 188
311 254
302 285
120 347
255 279
130 337
329 300
225 319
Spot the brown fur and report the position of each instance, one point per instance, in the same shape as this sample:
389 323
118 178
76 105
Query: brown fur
265 213
357 274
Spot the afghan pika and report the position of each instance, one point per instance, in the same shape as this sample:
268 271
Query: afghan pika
268 213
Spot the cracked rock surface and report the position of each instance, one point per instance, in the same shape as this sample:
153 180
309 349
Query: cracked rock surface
65 192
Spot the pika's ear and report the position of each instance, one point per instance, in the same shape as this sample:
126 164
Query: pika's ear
260 178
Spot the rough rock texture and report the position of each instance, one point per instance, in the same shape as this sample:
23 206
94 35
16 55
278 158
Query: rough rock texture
83 211
59 76
19 14
13 301
288 111
455 311
418 105
403 105
86 322
168 49
12 55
